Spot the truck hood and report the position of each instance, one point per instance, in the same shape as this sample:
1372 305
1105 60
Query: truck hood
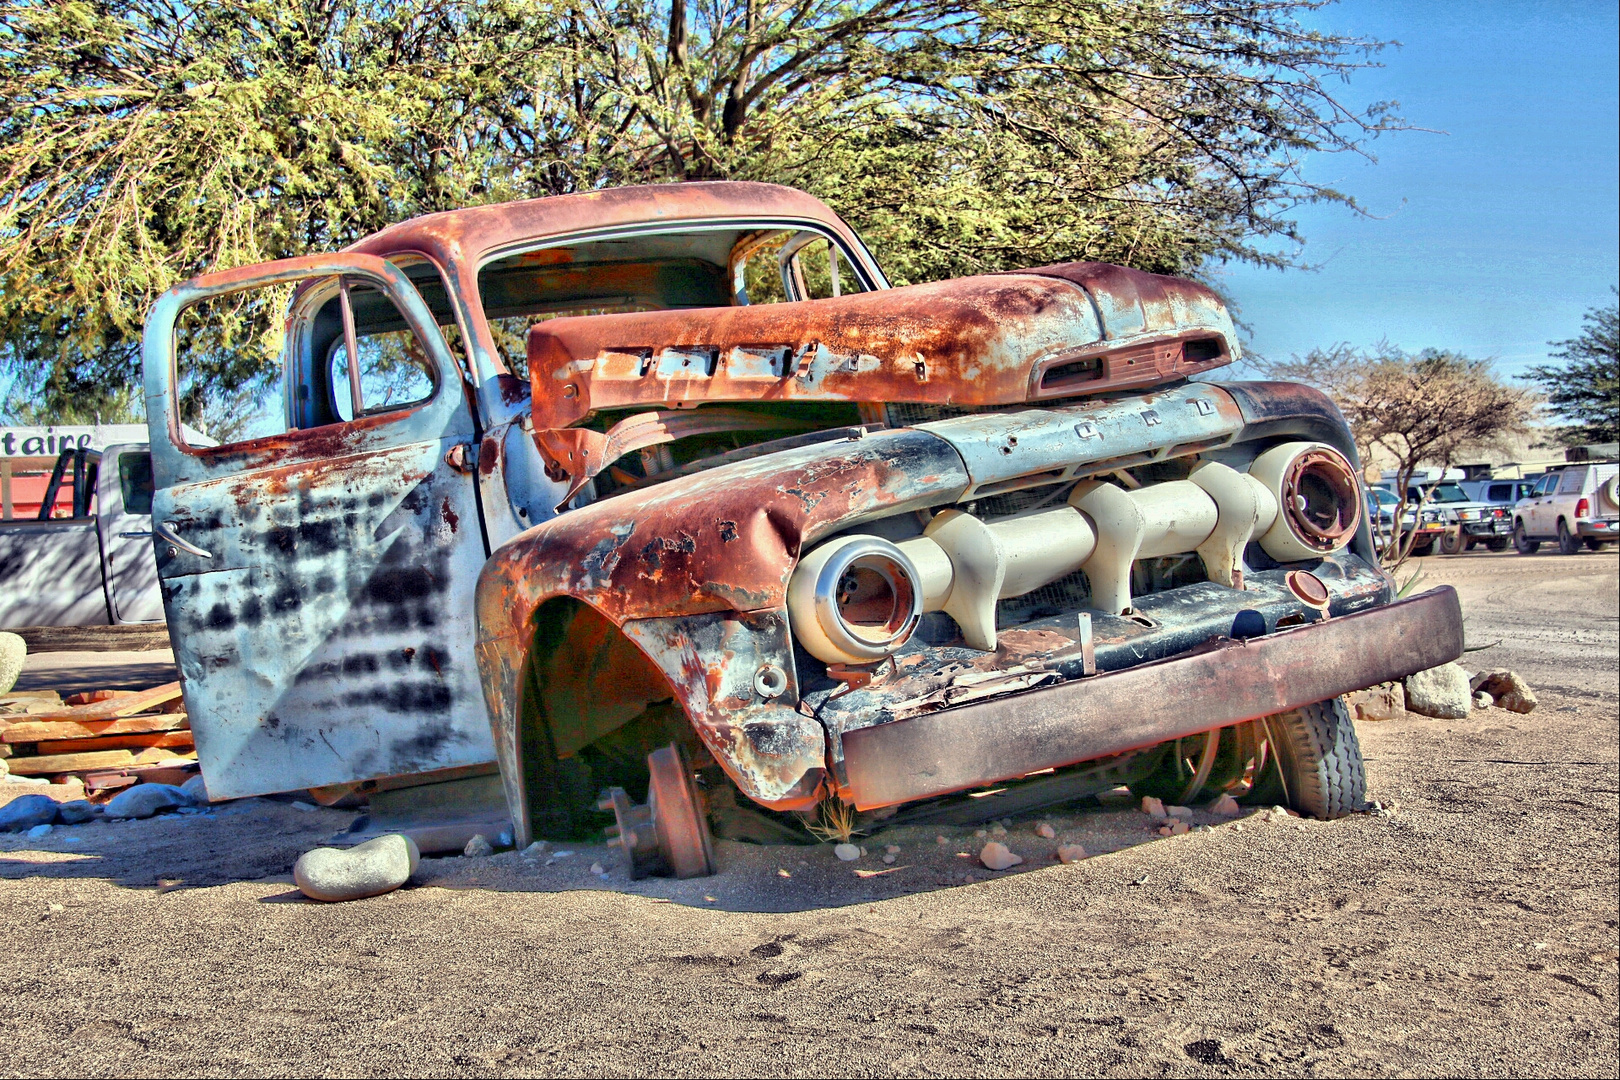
999 339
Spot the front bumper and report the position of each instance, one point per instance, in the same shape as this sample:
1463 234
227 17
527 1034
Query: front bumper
1488 529
1225 683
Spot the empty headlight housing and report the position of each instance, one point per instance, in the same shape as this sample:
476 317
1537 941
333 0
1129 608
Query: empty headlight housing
854 600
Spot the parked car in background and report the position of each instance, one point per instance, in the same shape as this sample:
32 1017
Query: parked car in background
76 539
1428 520
1575 505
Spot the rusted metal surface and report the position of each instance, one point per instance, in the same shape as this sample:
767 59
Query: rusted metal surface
991 340
1228 683
694 571
328 637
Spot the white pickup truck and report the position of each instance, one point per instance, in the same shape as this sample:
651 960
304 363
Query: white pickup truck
1578 504
84 557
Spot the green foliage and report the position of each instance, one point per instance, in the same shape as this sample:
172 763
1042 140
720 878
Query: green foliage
144 141
1585 389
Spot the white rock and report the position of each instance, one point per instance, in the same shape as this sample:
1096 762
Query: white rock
13 651
144 800
1045 831
596 868
1226 806
478 847
308 808
1178 827
1178 811
1482 700
196 790
998 829
892 849
535 850
981 834
847 852
1441 692
1070 853
941 841
368 869
889 859
1153 808
996 856
39 831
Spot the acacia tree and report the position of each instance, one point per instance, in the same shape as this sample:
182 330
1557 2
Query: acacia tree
143 141
1585 389
1428 408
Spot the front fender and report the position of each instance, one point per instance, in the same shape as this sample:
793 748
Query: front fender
714 550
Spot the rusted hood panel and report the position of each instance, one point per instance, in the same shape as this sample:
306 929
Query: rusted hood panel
988 340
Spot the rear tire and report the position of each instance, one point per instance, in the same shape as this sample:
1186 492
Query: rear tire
1567 544
1522 541
1320 759
1497 543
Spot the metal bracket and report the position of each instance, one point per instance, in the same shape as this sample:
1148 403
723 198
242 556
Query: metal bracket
462 457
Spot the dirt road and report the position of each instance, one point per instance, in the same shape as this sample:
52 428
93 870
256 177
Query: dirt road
1472 932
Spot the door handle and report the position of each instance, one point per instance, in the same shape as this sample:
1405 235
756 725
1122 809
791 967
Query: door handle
166 533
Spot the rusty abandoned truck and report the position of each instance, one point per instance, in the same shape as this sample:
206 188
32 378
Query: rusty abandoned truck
665 488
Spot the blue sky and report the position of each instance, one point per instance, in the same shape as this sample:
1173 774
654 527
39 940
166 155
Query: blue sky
1492 238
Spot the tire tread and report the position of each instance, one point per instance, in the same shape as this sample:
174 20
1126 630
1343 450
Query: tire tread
1321 760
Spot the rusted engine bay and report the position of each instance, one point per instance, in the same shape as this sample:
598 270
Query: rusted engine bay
876 546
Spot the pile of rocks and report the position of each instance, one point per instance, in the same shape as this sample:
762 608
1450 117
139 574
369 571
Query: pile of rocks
1447 692
38 814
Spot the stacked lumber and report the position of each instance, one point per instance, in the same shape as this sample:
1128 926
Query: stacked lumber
127 733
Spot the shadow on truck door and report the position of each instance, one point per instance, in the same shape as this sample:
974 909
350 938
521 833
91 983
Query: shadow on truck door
318 581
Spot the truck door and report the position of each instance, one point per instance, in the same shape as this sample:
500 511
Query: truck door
124 516
1538 523
318 579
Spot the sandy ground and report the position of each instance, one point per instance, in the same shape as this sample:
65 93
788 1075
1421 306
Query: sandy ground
1474 931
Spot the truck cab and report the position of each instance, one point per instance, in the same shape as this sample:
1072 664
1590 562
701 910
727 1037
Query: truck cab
75 539
667 486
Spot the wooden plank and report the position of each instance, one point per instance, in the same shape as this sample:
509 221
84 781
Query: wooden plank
96 759
32 730
128 637
90 697
171 739
138 702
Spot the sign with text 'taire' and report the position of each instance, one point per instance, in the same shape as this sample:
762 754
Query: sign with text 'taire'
35 441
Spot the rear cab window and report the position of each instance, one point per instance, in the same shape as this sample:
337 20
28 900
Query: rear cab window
656 271
692 267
